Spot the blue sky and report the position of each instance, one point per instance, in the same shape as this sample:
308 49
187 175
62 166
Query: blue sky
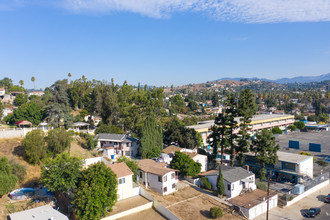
162 42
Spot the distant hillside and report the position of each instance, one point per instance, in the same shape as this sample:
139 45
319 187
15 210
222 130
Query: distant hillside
298 79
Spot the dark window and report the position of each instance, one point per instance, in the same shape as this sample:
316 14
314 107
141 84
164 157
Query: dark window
159 179
122 180
140 174
228 187
165 189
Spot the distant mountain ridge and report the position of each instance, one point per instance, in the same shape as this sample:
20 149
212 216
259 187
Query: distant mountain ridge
297 79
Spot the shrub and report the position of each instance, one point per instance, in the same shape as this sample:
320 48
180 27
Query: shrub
276 130
322 163
216 212
18 170
262 185
291 197
206 183
307 154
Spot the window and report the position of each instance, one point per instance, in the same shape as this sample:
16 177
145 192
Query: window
159 179
228 187
173 185
140 174
165 189
165 178
121 181
172 176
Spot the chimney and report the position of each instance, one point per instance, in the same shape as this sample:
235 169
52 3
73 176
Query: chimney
247 167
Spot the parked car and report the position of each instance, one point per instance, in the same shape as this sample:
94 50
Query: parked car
311 213
327 199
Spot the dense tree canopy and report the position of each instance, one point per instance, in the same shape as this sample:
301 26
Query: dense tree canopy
186 165
151 136
96 193
61 173
35 146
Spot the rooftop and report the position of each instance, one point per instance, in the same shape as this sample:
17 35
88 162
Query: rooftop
115 137
151 166
251 199
171 149
39 213
230 174
255 119
120 169
292 158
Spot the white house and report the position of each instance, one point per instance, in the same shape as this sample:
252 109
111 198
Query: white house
125 180
2 92
290 167
170 151
123 173
157 177
253 204
236 180
122 144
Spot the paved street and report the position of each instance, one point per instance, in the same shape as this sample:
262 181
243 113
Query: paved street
293 212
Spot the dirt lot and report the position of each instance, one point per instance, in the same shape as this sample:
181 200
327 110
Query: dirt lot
188 203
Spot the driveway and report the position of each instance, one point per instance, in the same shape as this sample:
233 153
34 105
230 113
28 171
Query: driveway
293 212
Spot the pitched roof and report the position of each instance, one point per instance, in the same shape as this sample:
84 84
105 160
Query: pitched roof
230 174
120 169
191 155
171 149
151 166
115 137
251 199
39 213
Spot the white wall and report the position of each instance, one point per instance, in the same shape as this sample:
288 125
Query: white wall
125 190
151 181
262 207
306 167
202 159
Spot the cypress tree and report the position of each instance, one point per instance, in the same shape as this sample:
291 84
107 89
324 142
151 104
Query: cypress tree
220 184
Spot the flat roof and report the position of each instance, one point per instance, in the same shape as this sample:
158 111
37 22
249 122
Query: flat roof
250 199
255 119
289 157
39 213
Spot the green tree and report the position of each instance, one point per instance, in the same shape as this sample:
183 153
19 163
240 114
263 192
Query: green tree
90 141
246 109
62 173
231 112
292 127
151 136
154 153
58 140
300 125
96 193
33 79
35 146
276 130
21 82
132 164
2 107
6 82
215 99
30 112
186 165
108 129
265 149
20 99
220 184
7 179
193 105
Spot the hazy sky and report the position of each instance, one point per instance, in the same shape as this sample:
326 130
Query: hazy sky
162 42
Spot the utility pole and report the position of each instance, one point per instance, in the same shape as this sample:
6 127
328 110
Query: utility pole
268 198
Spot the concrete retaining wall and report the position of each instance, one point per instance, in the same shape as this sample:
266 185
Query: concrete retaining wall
129 212
310 191
12 133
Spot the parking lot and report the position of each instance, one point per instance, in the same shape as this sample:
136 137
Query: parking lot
305 138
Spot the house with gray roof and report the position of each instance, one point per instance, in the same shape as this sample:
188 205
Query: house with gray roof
236 179
116 145
45 212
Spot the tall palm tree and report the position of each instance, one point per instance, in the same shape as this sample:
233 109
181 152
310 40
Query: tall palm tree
21 82
33 79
